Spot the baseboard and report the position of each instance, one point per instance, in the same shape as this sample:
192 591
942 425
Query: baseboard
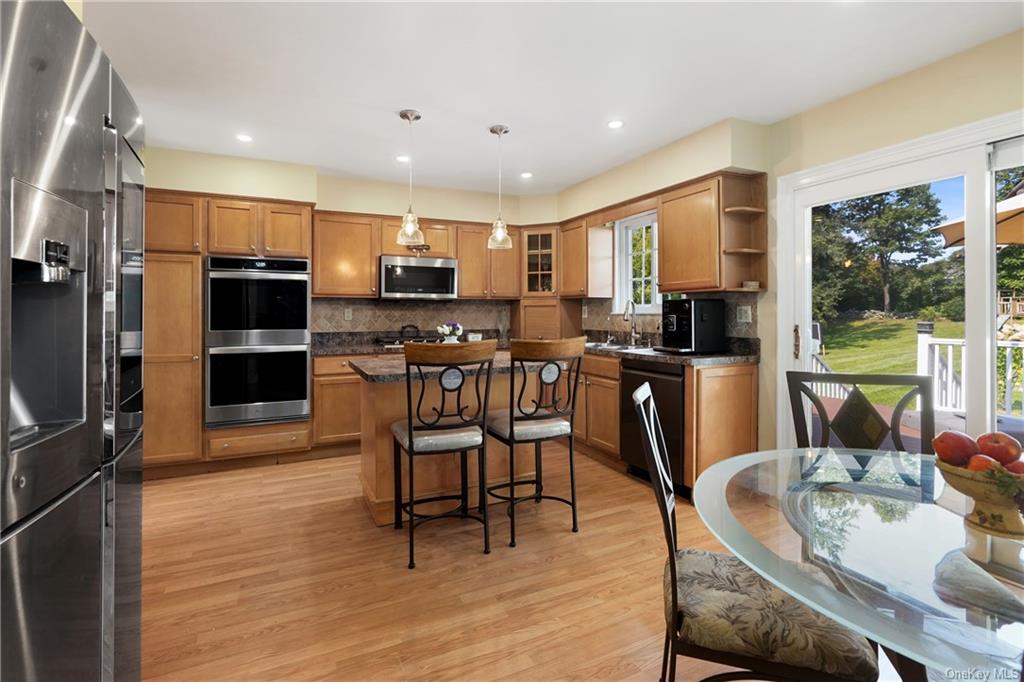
205 467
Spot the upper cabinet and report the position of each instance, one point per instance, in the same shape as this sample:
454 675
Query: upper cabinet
174 222
540 259
585 259
346 250
712 235
483 272
249 228
439 236
286 229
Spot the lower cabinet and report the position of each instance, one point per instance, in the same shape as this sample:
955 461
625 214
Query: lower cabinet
597 404
259 439
336 394
719 415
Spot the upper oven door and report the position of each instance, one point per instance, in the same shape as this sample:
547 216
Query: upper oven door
410 277
251 305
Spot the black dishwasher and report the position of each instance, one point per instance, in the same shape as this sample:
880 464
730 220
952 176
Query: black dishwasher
666 380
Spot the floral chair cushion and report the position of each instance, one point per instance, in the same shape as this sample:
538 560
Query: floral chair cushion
725 606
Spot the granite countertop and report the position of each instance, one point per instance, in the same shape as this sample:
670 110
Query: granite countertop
675 358
386 370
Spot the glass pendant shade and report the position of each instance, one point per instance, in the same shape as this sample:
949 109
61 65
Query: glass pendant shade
410 234
499 238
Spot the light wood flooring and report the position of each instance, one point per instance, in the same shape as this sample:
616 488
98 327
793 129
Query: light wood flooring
276 573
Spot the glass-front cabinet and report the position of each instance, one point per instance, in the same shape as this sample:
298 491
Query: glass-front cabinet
540 256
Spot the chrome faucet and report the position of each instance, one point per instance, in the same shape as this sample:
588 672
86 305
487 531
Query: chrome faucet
634 335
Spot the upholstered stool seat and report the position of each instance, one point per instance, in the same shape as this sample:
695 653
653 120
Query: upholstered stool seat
444 440
498 422
726 606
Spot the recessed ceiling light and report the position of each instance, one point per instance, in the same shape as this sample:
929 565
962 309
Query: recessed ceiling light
526 175
242 137
402 158
614 125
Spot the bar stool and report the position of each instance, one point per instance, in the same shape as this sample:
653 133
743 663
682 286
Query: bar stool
545 414
446 424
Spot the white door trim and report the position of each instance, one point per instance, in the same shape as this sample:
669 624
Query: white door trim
793 245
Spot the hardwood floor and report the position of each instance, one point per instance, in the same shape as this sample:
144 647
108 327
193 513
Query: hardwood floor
277 573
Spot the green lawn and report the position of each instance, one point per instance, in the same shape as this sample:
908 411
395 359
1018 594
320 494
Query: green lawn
880 347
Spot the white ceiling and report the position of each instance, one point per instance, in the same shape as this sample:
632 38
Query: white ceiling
320 84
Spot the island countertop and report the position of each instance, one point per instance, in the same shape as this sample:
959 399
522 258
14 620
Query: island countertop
391 369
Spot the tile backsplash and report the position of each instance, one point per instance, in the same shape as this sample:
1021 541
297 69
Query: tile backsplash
374 315
601 319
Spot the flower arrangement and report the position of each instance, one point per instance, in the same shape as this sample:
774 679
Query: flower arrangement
450 329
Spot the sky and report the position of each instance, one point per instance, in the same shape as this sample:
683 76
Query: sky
951 197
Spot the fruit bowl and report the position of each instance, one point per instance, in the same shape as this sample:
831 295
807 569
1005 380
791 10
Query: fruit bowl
998 497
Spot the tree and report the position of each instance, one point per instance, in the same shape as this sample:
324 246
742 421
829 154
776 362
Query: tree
832 259
892 228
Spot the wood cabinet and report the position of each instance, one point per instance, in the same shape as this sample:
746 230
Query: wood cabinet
346 250
233 227
249 228
285 230
174 222
439 236
719 415
336 396
585 264
546 318
540 262
261 439
597 404
712 235
487 273
173 397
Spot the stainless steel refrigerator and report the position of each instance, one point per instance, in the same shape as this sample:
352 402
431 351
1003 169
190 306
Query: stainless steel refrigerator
71 183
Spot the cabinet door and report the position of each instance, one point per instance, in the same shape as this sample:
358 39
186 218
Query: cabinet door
688 238
579 428
173 399
720 415
286 230
504 263
440 237
346 252
539 319
474 270
603 413
174 222
573 260
233 227
540 258
336 413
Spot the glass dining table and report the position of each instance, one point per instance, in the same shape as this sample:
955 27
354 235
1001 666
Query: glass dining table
877 542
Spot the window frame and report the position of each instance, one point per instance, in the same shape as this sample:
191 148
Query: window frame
623 263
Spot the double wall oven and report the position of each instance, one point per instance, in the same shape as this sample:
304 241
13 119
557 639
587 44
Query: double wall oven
257 339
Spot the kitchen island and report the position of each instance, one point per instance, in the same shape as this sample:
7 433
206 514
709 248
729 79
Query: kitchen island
383 402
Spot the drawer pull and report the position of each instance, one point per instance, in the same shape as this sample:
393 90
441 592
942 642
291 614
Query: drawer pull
294 438
225 445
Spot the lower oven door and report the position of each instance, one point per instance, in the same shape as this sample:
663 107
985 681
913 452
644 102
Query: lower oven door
256 383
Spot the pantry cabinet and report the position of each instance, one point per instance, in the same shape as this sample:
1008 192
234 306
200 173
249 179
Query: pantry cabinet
487 273
346 253
174 222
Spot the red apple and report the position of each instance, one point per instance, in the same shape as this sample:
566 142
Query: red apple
1016 467
981 463
1000 446
954 447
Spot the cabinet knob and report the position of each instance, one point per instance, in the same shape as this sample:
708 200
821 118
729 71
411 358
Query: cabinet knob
252 247
225 445
194 358
195 245
581 290
373 288
268 248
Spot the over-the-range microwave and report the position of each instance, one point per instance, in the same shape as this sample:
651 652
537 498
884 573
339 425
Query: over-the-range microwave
414 277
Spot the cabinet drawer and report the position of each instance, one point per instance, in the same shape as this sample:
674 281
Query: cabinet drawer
336 364
238 443
601 366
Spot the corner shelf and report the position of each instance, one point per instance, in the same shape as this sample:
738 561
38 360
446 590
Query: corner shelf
749 210
744 252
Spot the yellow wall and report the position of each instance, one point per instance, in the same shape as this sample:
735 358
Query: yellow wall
196 172
77 6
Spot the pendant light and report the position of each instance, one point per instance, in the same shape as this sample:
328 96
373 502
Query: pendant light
499 238
410 234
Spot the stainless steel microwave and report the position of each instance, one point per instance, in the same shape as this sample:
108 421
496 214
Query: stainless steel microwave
412 277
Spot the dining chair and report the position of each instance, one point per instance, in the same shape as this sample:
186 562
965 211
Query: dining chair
718 609
443 422
856 422
535 416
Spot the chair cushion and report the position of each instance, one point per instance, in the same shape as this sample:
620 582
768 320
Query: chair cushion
726 606
440 440
533 429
